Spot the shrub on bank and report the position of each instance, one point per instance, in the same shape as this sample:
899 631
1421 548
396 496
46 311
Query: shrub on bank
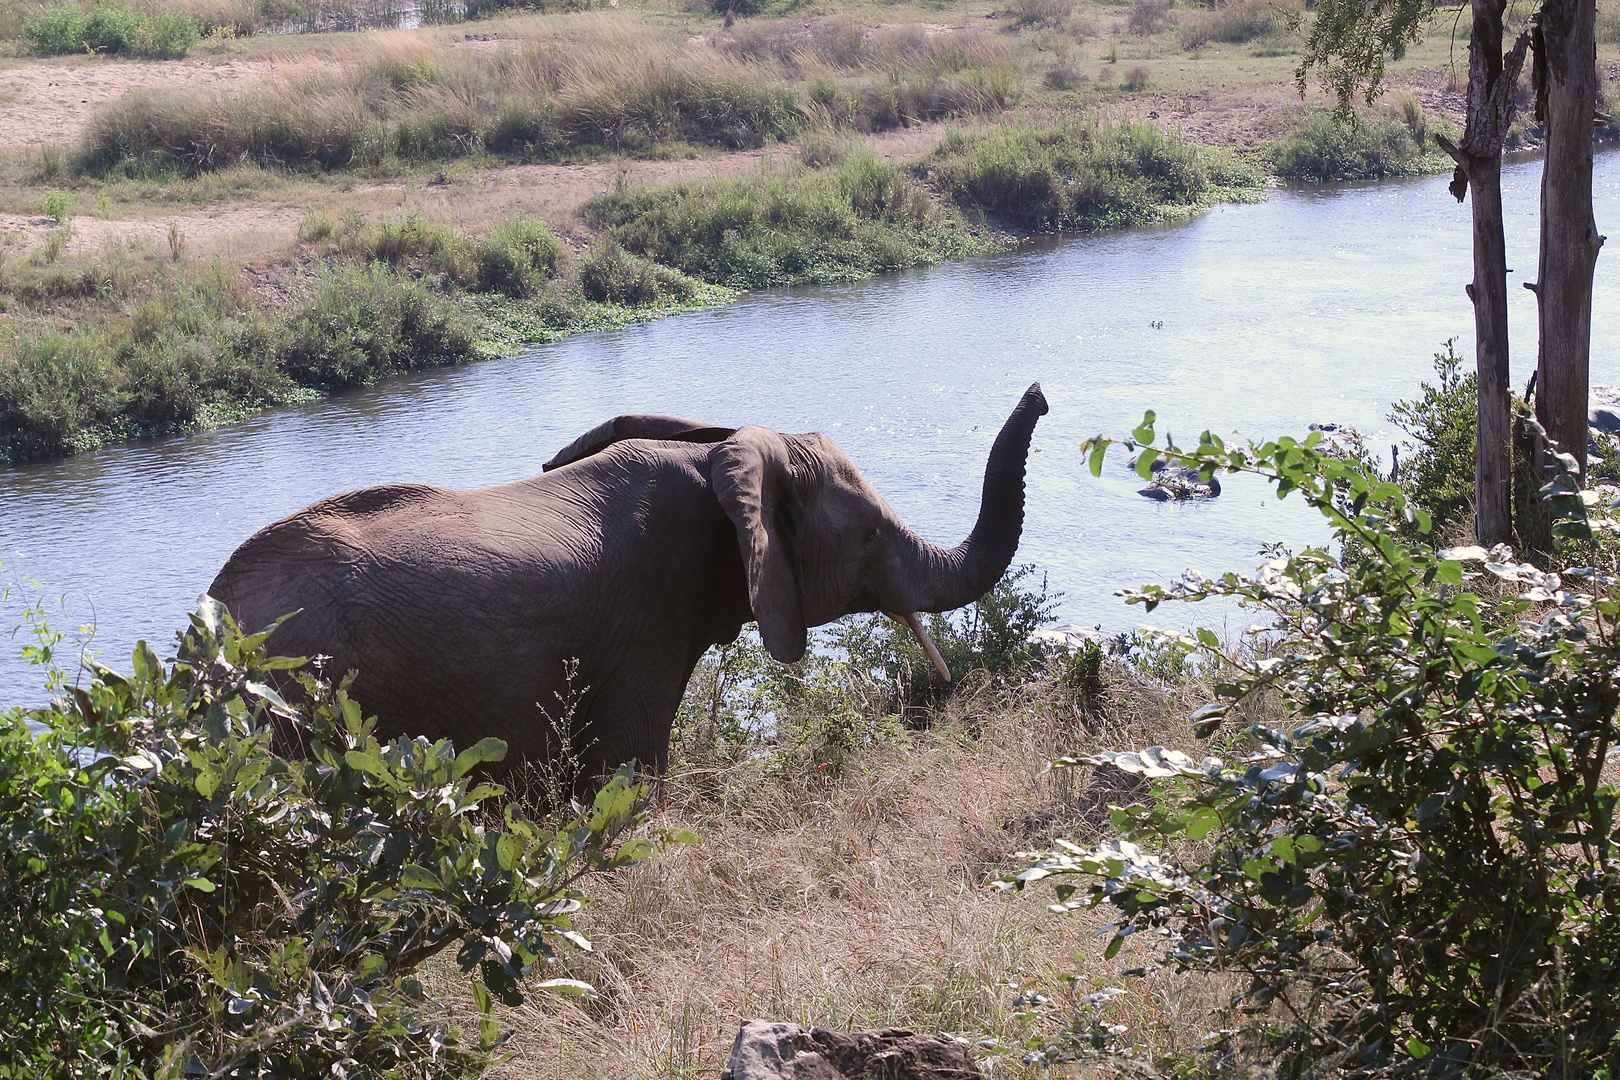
1412 866
517 256
363 324
66 29
181 900
1377 145
612 275
1079 176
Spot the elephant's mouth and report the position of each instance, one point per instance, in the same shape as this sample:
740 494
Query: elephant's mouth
910 620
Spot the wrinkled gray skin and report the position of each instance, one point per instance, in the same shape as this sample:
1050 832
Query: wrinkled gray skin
643 543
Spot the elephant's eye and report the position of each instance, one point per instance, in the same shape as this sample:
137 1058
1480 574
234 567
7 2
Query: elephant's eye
871 536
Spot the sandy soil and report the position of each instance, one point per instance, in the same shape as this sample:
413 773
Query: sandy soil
51 103
200 229
552 192
556 192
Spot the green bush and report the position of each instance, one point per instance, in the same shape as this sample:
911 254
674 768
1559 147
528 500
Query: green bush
861 217
1414 869
411 240
612 275
991 636
1438 473
66 29
364 323
864 681
56 31
1322 148
1080 175
183 901
517 257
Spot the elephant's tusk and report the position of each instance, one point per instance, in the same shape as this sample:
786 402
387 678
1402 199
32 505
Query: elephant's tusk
910 619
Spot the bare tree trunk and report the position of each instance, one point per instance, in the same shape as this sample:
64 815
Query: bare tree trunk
1491 77
1564 39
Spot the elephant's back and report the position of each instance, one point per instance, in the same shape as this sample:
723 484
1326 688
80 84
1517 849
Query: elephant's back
304 558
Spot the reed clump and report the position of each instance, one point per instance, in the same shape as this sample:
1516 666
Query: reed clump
569 85
1237 22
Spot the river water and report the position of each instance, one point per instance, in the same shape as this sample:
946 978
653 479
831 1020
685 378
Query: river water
1316 305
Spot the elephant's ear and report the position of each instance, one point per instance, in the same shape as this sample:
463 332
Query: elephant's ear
749 475
636 426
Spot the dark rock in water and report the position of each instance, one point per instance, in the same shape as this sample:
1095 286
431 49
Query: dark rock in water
1069 637
1173 483
774 1051
1603 408
1338 440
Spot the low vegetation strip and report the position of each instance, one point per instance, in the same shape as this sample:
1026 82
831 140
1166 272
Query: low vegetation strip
133 346
863 216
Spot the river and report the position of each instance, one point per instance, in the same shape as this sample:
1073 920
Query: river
1316 305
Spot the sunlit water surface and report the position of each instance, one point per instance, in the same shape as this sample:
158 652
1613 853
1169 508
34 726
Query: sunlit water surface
1321 305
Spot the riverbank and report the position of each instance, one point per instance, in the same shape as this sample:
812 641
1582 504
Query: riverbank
159 264
143 340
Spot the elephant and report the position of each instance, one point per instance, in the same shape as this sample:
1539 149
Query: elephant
469 614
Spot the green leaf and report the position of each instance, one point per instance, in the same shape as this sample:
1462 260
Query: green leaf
366 761
207 782
507 851
201 884
1144 464
1202 824
568 987
484 750
414 876
1143 433
1417 1048
1098 450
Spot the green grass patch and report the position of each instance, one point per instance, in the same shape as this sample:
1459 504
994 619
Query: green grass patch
1082 176
860 217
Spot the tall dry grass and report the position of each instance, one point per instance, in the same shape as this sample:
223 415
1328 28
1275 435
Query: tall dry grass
557 86
859 901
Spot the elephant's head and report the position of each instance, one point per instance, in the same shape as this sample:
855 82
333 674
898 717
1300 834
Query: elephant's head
818 542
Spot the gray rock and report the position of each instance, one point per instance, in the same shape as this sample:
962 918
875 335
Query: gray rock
776 1051
1338 440
1603 408
1173 483
1068 636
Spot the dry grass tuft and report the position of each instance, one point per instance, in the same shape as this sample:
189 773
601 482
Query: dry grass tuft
859 901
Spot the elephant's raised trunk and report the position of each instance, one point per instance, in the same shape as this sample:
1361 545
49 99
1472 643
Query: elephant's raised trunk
950 579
